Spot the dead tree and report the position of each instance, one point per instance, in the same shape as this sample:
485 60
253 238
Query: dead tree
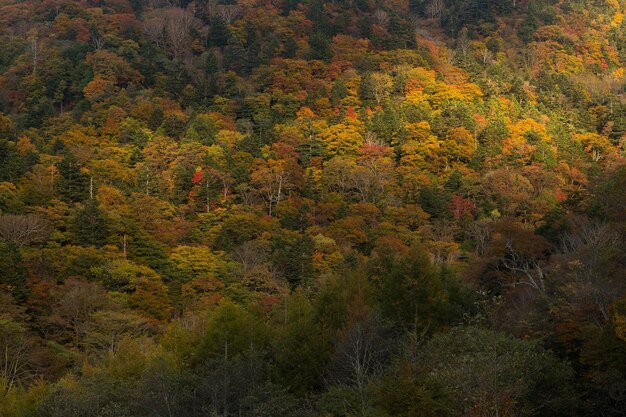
527 268
171 29
363 350
14 350
228 12
435 9
23 229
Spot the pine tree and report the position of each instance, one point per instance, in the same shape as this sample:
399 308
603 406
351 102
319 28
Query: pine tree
366 90
12 272
338 92
73 184
90 225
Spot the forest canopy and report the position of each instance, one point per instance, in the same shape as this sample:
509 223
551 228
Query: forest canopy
375 208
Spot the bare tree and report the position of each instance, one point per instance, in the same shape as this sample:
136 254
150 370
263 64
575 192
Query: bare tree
97 40
450 56
14 348
463 42
338 174
584 261
211 9
171 29
74 309
589 234
480 231
246 193
486 55
381 17
178 26
228 12
107 330
435 9
154 28
249 255
23 229
528 267
272 181
362 352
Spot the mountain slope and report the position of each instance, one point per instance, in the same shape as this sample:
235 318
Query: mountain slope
312 208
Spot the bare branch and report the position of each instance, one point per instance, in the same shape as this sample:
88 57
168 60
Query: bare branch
23 229
528 267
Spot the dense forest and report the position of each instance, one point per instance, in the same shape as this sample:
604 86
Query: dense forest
283 208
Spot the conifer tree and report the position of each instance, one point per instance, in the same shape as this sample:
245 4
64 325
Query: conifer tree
73 184
90 225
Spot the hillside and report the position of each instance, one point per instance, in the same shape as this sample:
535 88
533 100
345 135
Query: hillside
305 208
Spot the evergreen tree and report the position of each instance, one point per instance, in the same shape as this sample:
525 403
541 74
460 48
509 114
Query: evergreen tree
12 272
290 47
434 201
73 184
235 54
144 248
293 258
338 92
491 140
90 225
409 290
12 164
218 33
366 90
320 46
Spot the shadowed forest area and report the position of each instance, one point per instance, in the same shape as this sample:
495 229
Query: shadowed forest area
285 208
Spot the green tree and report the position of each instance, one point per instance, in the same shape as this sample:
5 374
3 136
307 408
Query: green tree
409 289
491 373
12 271
73 184
90 225
299 348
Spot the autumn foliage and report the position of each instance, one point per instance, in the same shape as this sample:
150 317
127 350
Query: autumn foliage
309 208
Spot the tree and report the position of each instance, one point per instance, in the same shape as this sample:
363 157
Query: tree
491 138
73 184
140 286
410 292
435 9
271 400
72 312
14 360
90 225
203 129
493 374
232 331
362 351
381 85
237 229
341 139
171 28
108 330
291 254
597 146
299 347
12 272
193 261
586 261
272 180
524 255
23 229
228 12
